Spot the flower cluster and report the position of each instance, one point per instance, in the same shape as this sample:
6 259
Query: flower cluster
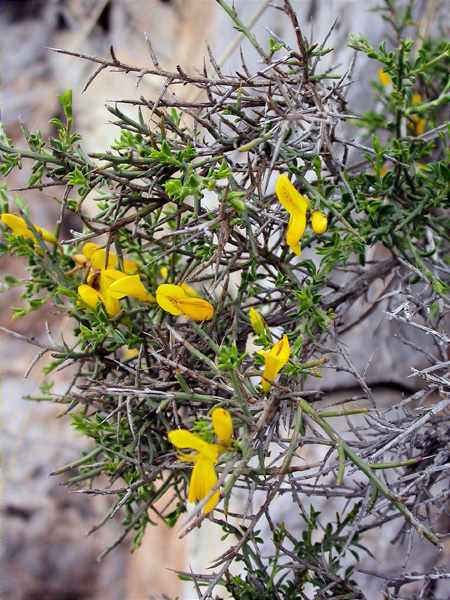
297 206
107 285
204 456
19 227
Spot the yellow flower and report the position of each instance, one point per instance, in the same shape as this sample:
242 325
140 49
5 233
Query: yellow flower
274 360
97 257
223 426
419 123
176 300
109 286
130 353
164 273
319 222
256 321
296 204
205 456
19 227
384 78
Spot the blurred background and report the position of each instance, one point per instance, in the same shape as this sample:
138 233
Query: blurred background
45 551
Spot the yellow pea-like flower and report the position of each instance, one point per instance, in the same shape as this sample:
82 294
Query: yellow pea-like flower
256 321
109 286
384 78
274 360
319 222
296 204
164 273
20 228
222 425
205 456
175 300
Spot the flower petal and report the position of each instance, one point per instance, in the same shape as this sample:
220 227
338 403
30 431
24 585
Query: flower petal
130 267
188 290
384 78
203 480
197 309
19 227
295 230
89 296
222 425
319 222
130 285
256 321
108 277
182 438
112 305
288 196
46 235
89 248
166 294
98 259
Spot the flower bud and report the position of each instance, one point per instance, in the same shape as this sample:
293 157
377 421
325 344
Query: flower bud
319 222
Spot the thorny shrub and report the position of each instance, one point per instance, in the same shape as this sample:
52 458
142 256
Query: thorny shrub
206 286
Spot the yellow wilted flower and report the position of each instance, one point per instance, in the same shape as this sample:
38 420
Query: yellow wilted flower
296 204
384 78
274 360
256 321
176 300
205 456
97 257
319 222
19 227
109 286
